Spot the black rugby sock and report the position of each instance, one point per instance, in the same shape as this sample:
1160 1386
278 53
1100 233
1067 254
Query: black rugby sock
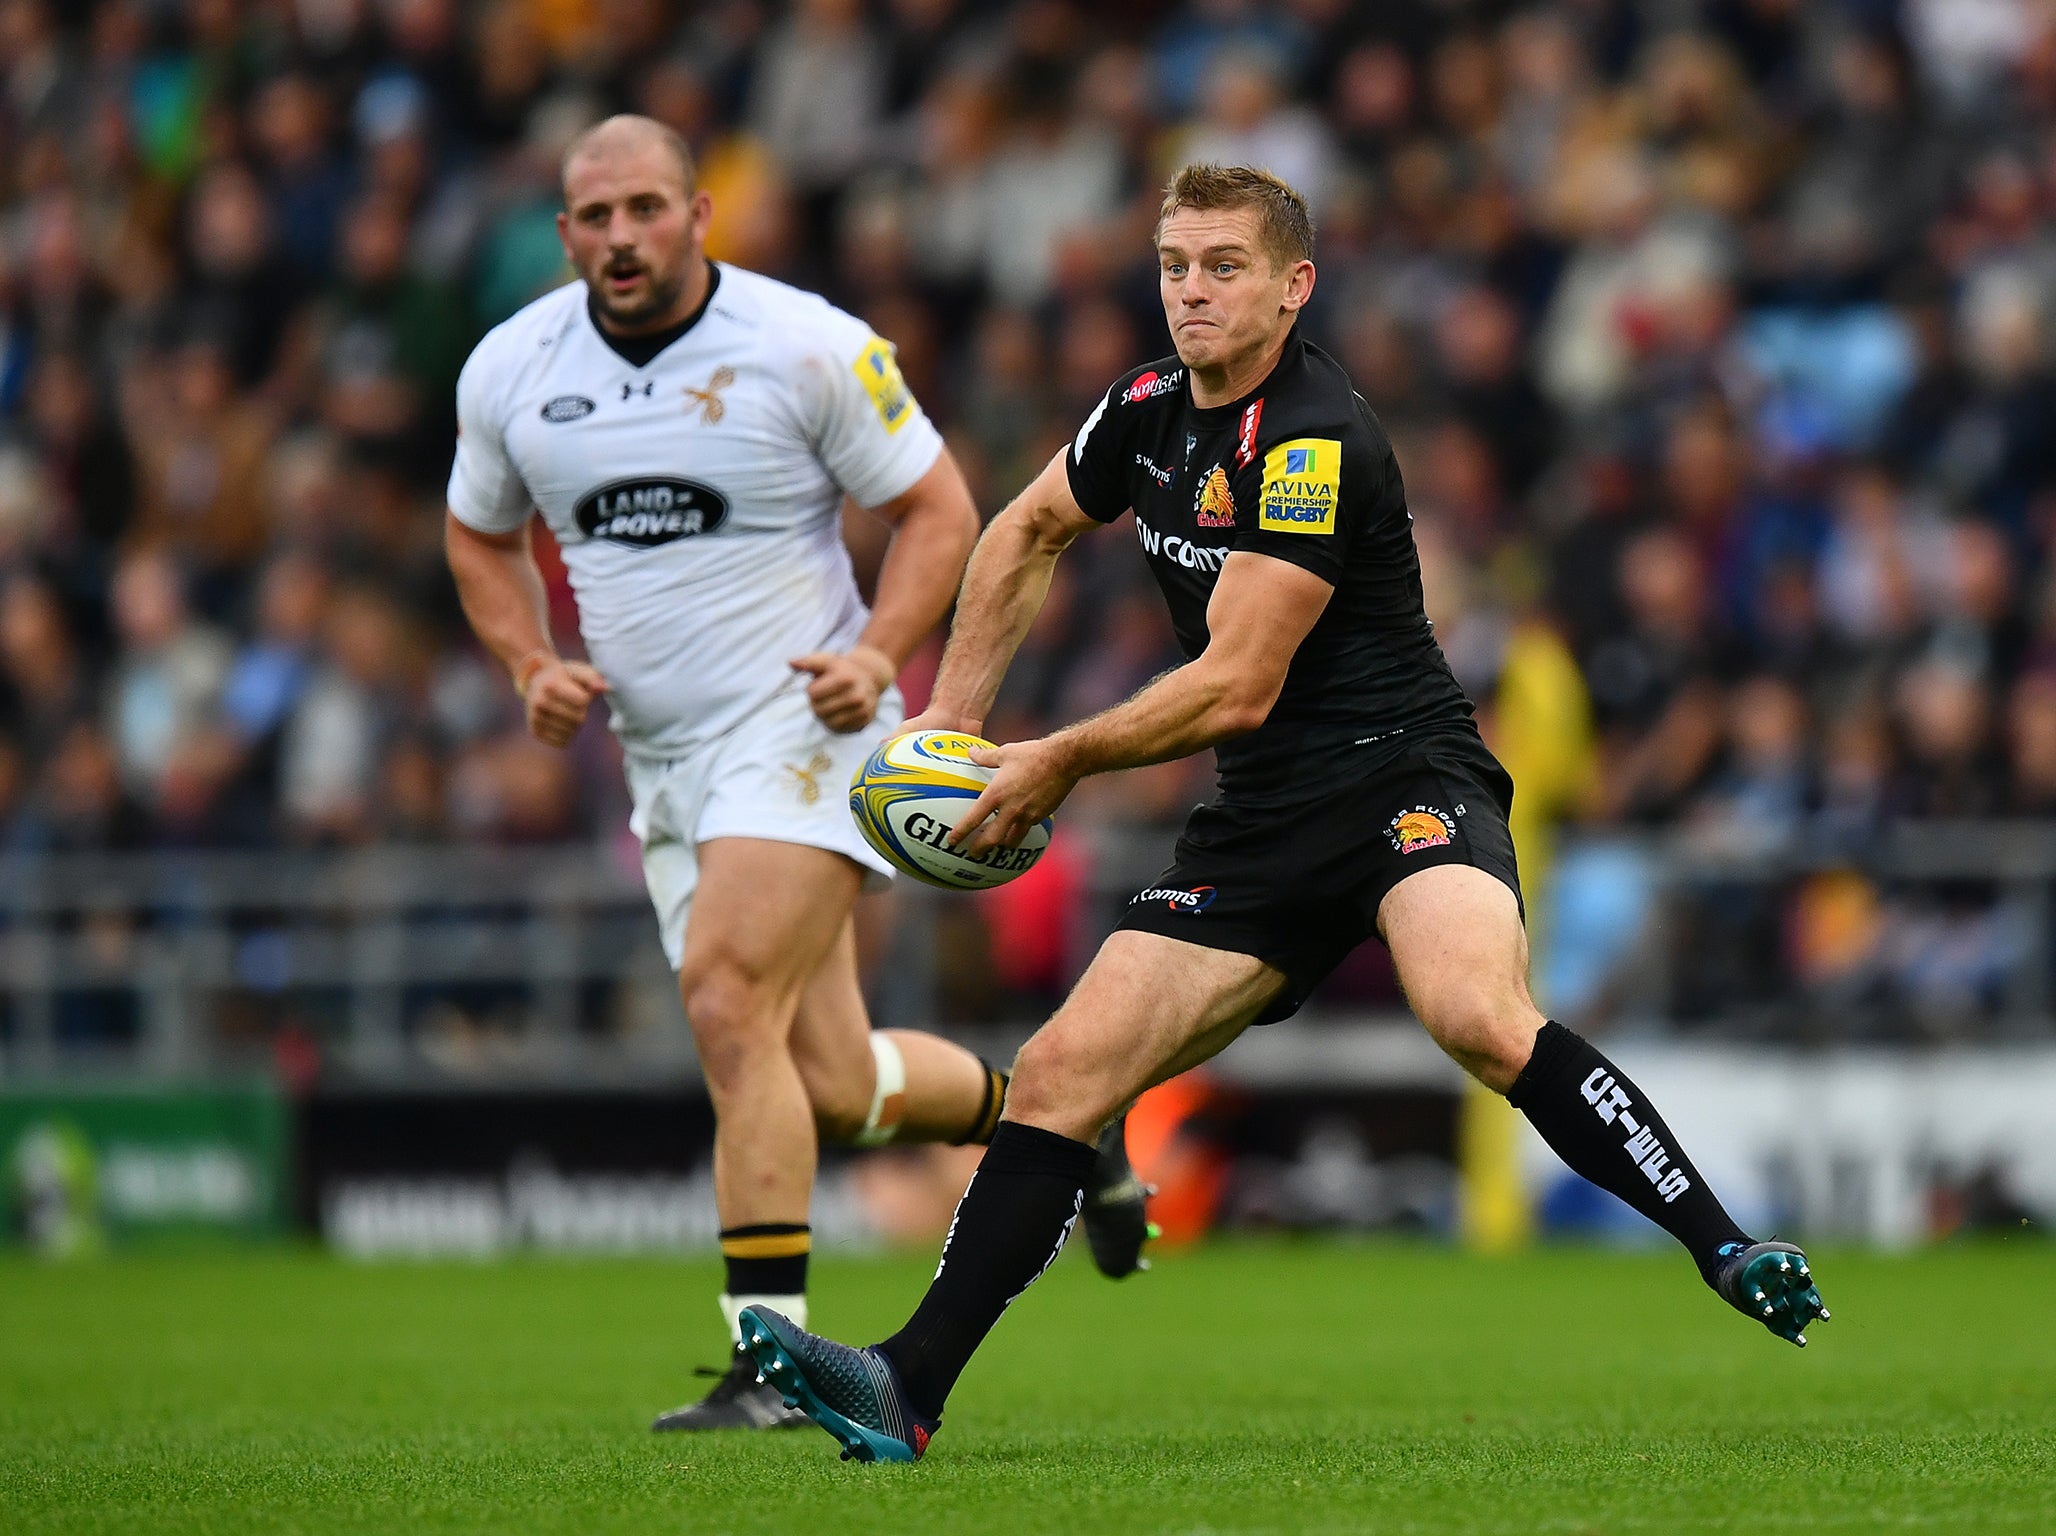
986 1122
1016 1212
1605 1130
769 1259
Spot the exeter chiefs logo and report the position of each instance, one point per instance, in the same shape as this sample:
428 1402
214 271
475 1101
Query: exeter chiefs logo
1421 827
1215 504
645 513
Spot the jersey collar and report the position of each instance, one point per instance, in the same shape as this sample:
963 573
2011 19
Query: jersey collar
641 351
1226 415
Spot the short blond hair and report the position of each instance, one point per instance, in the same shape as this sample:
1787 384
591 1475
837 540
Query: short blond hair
1284 223
632 128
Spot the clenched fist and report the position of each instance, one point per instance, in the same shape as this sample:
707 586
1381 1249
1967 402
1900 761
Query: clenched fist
557 694
845 689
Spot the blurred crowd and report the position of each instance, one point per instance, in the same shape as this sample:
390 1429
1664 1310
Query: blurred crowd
1717 339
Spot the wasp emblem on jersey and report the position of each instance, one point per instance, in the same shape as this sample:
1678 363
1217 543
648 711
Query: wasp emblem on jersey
1421 827
707 402
1215 503
807 779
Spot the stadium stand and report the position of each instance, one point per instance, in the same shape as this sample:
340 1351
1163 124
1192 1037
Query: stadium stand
1715 340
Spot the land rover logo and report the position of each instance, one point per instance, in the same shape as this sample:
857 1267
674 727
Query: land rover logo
568 408
649 512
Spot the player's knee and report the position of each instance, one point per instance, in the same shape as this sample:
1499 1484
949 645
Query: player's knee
729 1012
1054 1083
1488 1032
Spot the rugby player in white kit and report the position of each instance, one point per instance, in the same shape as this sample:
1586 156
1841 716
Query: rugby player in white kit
689 430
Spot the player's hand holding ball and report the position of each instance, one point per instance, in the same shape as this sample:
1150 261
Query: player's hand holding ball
931 802
847 685
557 693
1029 781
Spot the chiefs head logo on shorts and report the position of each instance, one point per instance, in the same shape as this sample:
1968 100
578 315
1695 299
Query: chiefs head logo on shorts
1421 827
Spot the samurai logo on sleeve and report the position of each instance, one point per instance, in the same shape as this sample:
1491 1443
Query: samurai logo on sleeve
1302 486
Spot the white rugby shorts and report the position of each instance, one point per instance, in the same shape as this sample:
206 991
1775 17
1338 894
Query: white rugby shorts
781 775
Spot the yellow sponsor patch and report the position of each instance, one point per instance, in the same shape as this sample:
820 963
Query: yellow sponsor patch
1302 486
879 372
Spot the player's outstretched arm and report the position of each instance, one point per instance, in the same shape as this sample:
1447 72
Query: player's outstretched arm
502 593
934 524
1004 589
1260 611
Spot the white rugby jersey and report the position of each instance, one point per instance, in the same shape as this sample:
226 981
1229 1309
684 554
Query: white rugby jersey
696 499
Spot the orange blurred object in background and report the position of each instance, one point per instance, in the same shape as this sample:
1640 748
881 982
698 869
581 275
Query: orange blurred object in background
1189 1171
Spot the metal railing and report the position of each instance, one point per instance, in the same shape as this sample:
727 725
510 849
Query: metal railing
479 964
445 964
1920 931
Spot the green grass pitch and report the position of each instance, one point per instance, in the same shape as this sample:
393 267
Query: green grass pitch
1278 1387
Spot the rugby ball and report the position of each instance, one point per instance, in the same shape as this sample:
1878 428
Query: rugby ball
912 790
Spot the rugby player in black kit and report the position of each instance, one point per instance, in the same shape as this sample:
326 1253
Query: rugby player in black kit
1356 798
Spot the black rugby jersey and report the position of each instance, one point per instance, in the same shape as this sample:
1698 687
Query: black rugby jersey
1300 470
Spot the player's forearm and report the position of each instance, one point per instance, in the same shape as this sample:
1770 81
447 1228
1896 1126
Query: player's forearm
919 576
501 592
1187 709
1004 590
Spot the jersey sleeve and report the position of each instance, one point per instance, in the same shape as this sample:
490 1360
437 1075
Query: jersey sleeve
486 490
873 438
1311 496
1097 462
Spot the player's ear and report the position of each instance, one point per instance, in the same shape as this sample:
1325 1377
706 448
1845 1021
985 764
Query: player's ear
700 214
564 234
1299 286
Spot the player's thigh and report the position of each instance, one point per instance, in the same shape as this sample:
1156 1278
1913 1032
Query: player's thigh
764 917
1461 952
1147 1008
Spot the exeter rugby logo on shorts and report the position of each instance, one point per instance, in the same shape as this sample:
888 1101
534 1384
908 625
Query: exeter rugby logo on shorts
1191 902
645 513
1421 827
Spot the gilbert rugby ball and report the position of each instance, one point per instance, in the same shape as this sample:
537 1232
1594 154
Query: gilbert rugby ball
912 790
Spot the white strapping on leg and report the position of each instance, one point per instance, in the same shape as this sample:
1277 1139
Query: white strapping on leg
888 1096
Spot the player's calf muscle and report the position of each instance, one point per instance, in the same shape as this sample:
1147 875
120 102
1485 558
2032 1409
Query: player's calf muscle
841 1101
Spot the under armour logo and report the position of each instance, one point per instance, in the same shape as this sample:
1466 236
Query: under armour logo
629 391
708 401
806 778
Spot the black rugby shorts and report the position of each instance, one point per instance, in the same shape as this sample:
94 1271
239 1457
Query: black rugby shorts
1299 886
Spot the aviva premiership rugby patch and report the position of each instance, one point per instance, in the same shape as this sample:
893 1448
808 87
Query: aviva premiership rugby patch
1302 486
880 375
